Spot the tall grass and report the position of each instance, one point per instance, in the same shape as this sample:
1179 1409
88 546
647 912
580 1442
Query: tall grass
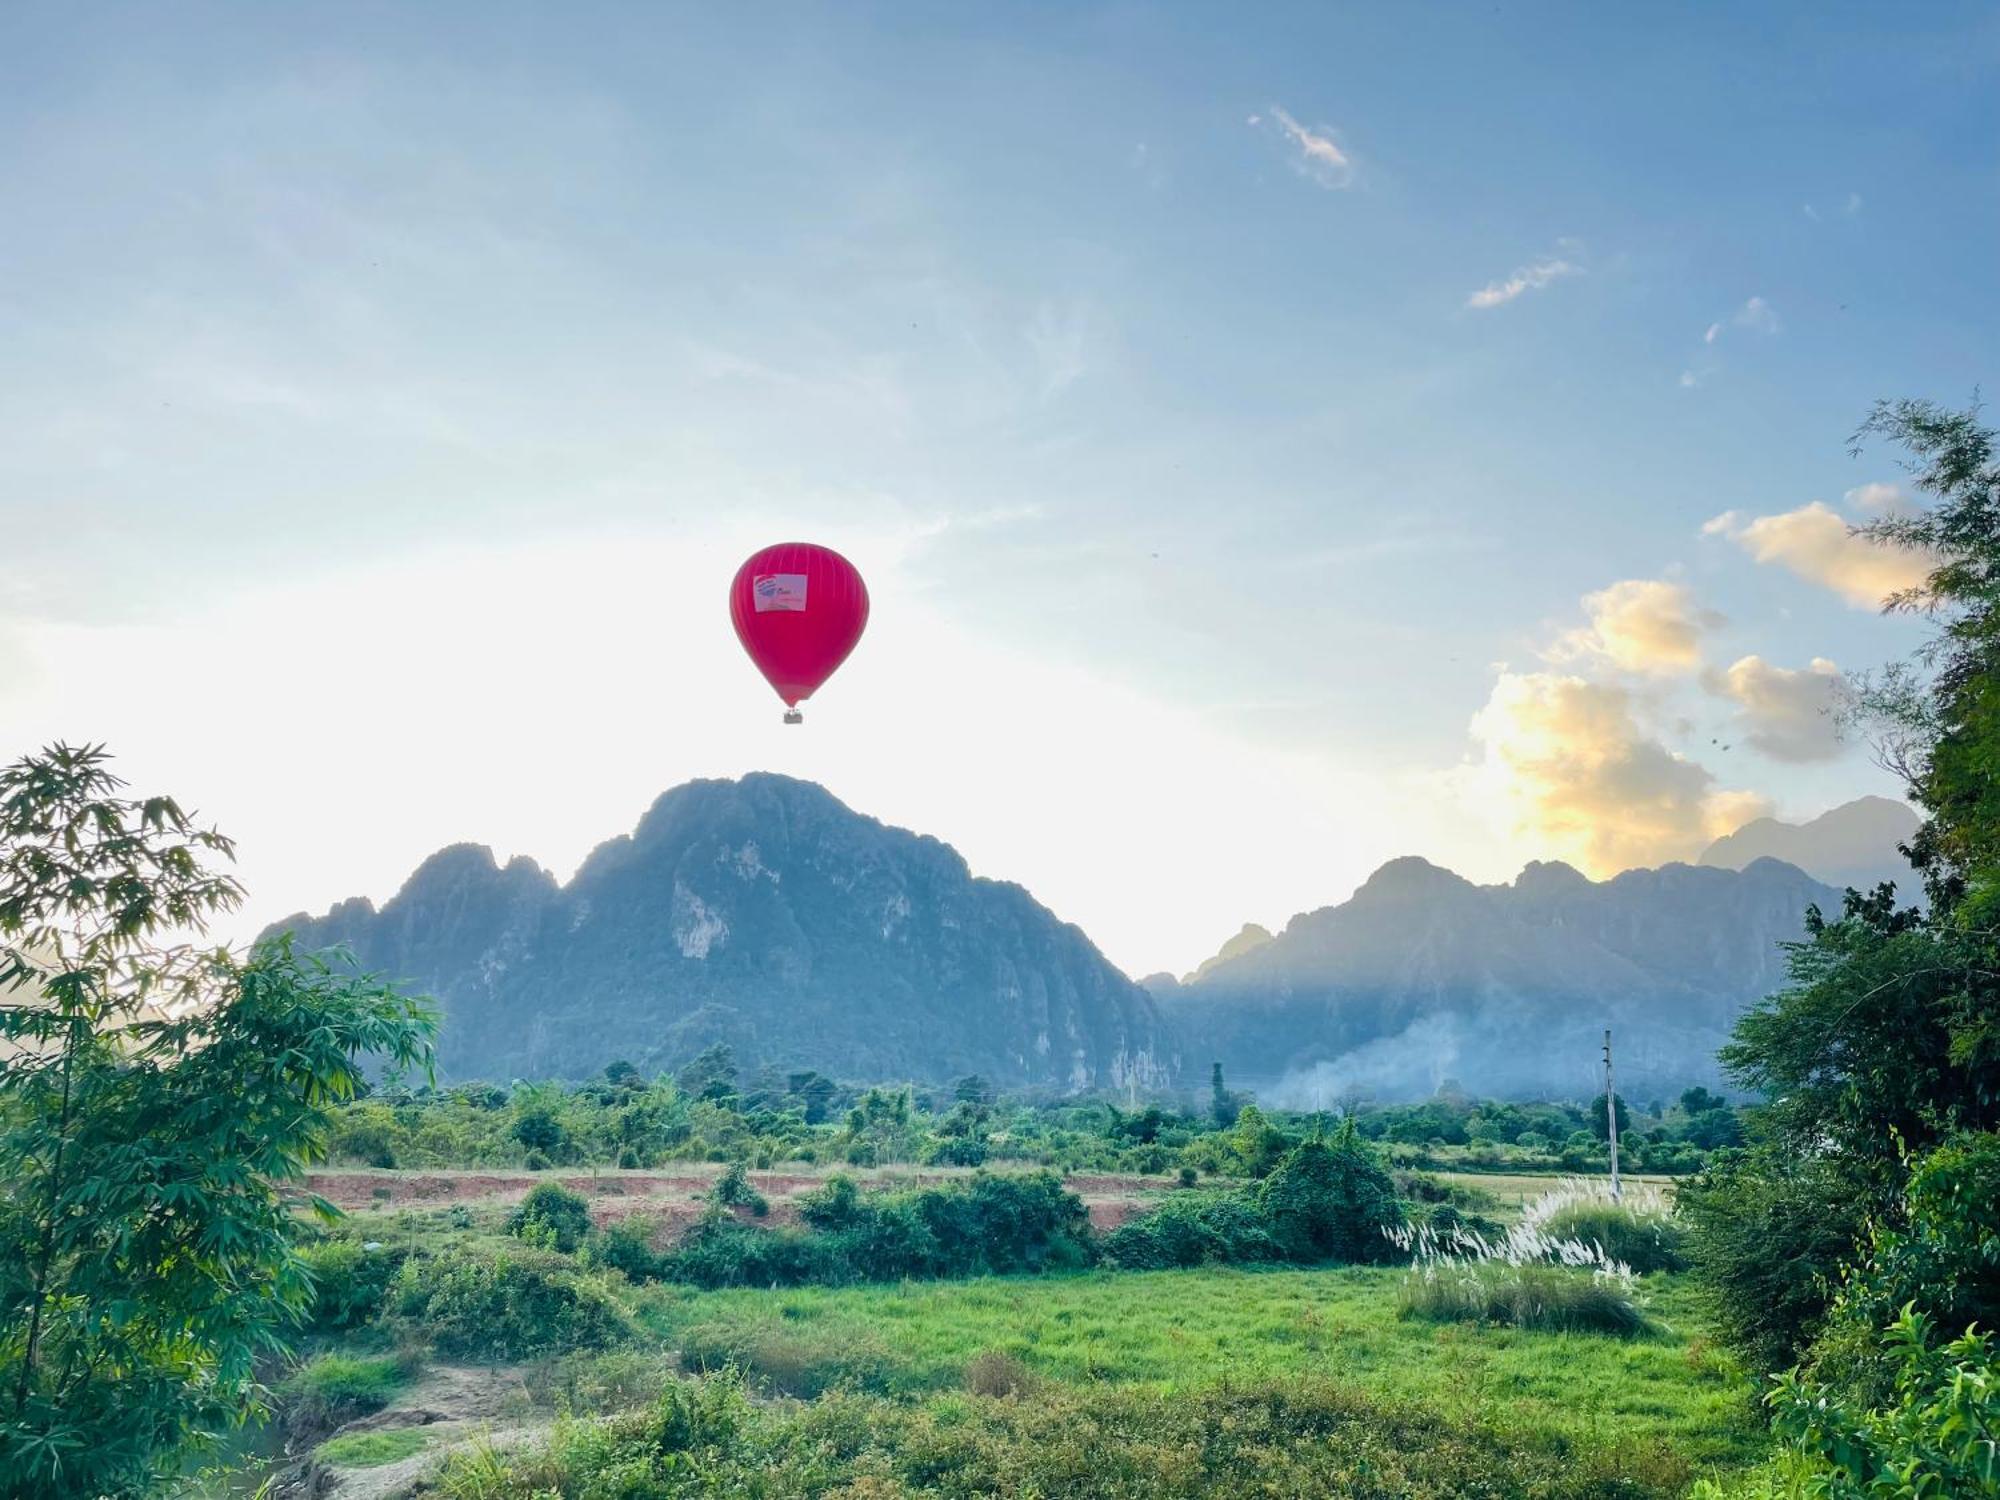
1540 1273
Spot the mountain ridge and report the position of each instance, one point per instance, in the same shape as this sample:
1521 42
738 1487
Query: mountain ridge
764 913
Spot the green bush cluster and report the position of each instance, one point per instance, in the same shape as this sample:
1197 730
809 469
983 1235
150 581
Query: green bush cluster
553 1215
987 1225
332 1388
1322 1201
514 1303
349 1282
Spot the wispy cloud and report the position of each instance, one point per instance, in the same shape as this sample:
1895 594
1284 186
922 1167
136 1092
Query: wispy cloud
1315 152
1528 279
1756 315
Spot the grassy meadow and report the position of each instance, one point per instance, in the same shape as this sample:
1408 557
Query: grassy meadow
1174 1331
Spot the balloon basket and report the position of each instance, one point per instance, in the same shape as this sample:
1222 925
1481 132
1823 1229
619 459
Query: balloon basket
793 716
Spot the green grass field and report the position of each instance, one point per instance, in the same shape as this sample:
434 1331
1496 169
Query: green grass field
1169 1330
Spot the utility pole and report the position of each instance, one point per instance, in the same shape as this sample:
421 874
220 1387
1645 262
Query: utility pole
1611 1116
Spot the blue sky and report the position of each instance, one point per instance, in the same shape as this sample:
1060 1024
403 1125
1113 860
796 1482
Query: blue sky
387 392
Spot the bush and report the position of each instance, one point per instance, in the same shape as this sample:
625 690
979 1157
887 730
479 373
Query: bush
627 1247
985 1226
1763 1231
1332 1201
515 1304
349 1283
1550 1299
1633 1236
1226 1228
1932 1435
732 1189
1940 1259
554 1214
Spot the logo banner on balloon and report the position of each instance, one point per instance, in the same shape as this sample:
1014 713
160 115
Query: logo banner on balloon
779 591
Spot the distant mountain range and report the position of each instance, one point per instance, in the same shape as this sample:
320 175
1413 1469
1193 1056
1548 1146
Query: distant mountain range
765 913
1423 977
1854 845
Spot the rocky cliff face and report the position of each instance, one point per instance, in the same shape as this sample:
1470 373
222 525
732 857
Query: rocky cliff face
1422 976
766 914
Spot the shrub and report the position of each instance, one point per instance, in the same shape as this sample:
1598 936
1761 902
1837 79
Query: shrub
1931 1436
1550 1299
626 1246
1942 1260
1332 1201
1189 1231
512 1305
836 1205
1187 1177
349 1283
554 1213
733 1190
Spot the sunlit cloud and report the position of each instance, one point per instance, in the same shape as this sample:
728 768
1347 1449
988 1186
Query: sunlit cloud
1579 777
1787 713
1644 625
1818 544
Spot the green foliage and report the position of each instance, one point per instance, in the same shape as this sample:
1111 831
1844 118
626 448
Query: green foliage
1194 1229
516 1303
152 1098
986 1225
732 1190
1768 1232
1935 1435
1644 1241
349 1283
1939 1258
370 1450
552 1214
626 1246
1332 1202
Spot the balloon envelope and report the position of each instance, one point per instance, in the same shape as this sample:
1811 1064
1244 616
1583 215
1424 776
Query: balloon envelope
798 609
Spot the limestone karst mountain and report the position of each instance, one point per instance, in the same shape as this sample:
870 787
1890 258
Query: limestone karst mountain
1854 844
1422 975
766 914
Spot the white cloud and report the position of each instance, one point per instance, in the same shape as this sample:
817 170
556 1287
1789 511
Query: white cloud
1689 380
1714 333
1583 780
1316 153
1786 713
1644 625
1817 543
1757 315
1528 279
1853 203
1876 498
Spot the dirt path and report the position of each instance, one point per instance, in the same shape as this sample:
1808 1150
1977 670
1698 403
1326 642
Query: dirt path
676 1198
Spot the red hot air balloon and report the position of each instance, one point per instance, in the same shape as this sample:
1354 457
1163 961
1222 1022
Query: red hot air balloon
798 609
